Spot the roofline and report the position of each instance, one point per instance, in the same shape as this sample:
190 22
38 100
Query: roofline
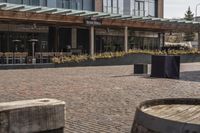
57 15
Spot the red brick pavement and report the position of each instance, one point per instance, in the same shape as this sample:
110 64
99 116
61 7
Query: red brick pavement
98 99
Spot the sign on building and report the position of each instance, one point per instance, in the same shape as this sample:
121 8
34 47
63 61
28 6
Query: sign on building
93 21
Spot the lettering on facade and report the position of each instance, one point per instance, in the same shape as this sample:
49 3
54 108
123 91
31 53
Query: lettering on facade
93 21
32 28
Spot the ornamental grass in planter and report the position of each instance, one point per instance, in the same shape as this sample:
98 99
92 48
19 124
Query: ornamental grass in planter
110 55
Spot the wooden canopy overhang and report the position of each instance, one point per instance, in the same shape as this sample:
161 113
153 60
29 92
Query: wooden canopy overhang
48 16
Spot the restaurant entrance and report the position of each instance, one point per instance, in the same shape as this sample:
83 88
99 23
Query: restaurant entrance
83 40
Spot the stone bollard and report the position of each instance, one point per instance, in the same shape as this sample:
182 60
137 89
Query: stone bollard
32 116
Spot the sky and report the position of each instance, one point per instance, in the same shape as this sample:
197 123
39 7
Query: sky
177 8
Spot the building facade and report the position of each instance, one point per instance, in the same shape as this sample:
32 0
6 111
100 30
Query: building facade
137 39
15 37
152 8
67 4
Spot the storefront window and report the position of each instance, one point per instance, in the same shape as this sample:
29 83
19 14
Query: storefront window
143 40
143 43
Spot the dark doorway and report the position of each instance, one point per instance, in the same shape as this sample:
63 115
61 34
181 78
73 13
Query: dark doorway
64 39
109 43
3 42
99 44
83 40
52 41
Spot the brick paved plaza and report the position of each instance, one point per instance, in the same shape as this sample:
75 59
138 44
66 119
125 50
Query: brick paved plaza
98 99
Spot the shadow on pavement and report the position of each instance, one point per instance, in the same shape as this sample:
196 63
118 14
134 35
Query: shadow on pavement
121 76
185 76
190 76
131 75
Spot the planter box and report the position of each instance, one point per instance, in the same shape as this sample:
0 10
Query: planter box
165 66
126 60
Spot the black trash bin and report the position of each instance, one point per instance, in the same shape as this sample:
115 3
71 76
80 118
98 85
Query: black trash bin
140 68
165 66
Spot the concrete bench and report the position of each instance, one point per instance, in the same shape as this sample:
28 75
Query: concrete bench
32 116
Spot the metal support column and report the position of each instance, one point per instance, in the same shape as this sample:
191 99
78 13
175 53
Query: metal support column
199 41
163 39
74 38
126 39
92 40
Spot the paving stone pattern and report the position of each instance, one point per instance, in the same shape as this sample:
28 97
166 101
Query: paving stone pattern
98 99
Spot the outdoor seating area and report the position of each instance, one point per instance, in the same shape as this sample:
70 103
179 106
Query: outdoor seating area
45 57
24 58
13 58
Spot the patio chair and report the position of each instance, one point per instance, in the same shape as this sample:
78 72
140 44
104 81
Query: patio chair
58 54
46 56
9 57
38 56
17 58
24 55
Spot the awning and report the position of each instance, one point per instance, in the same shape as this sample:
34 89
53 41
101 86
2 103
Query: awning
38 14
